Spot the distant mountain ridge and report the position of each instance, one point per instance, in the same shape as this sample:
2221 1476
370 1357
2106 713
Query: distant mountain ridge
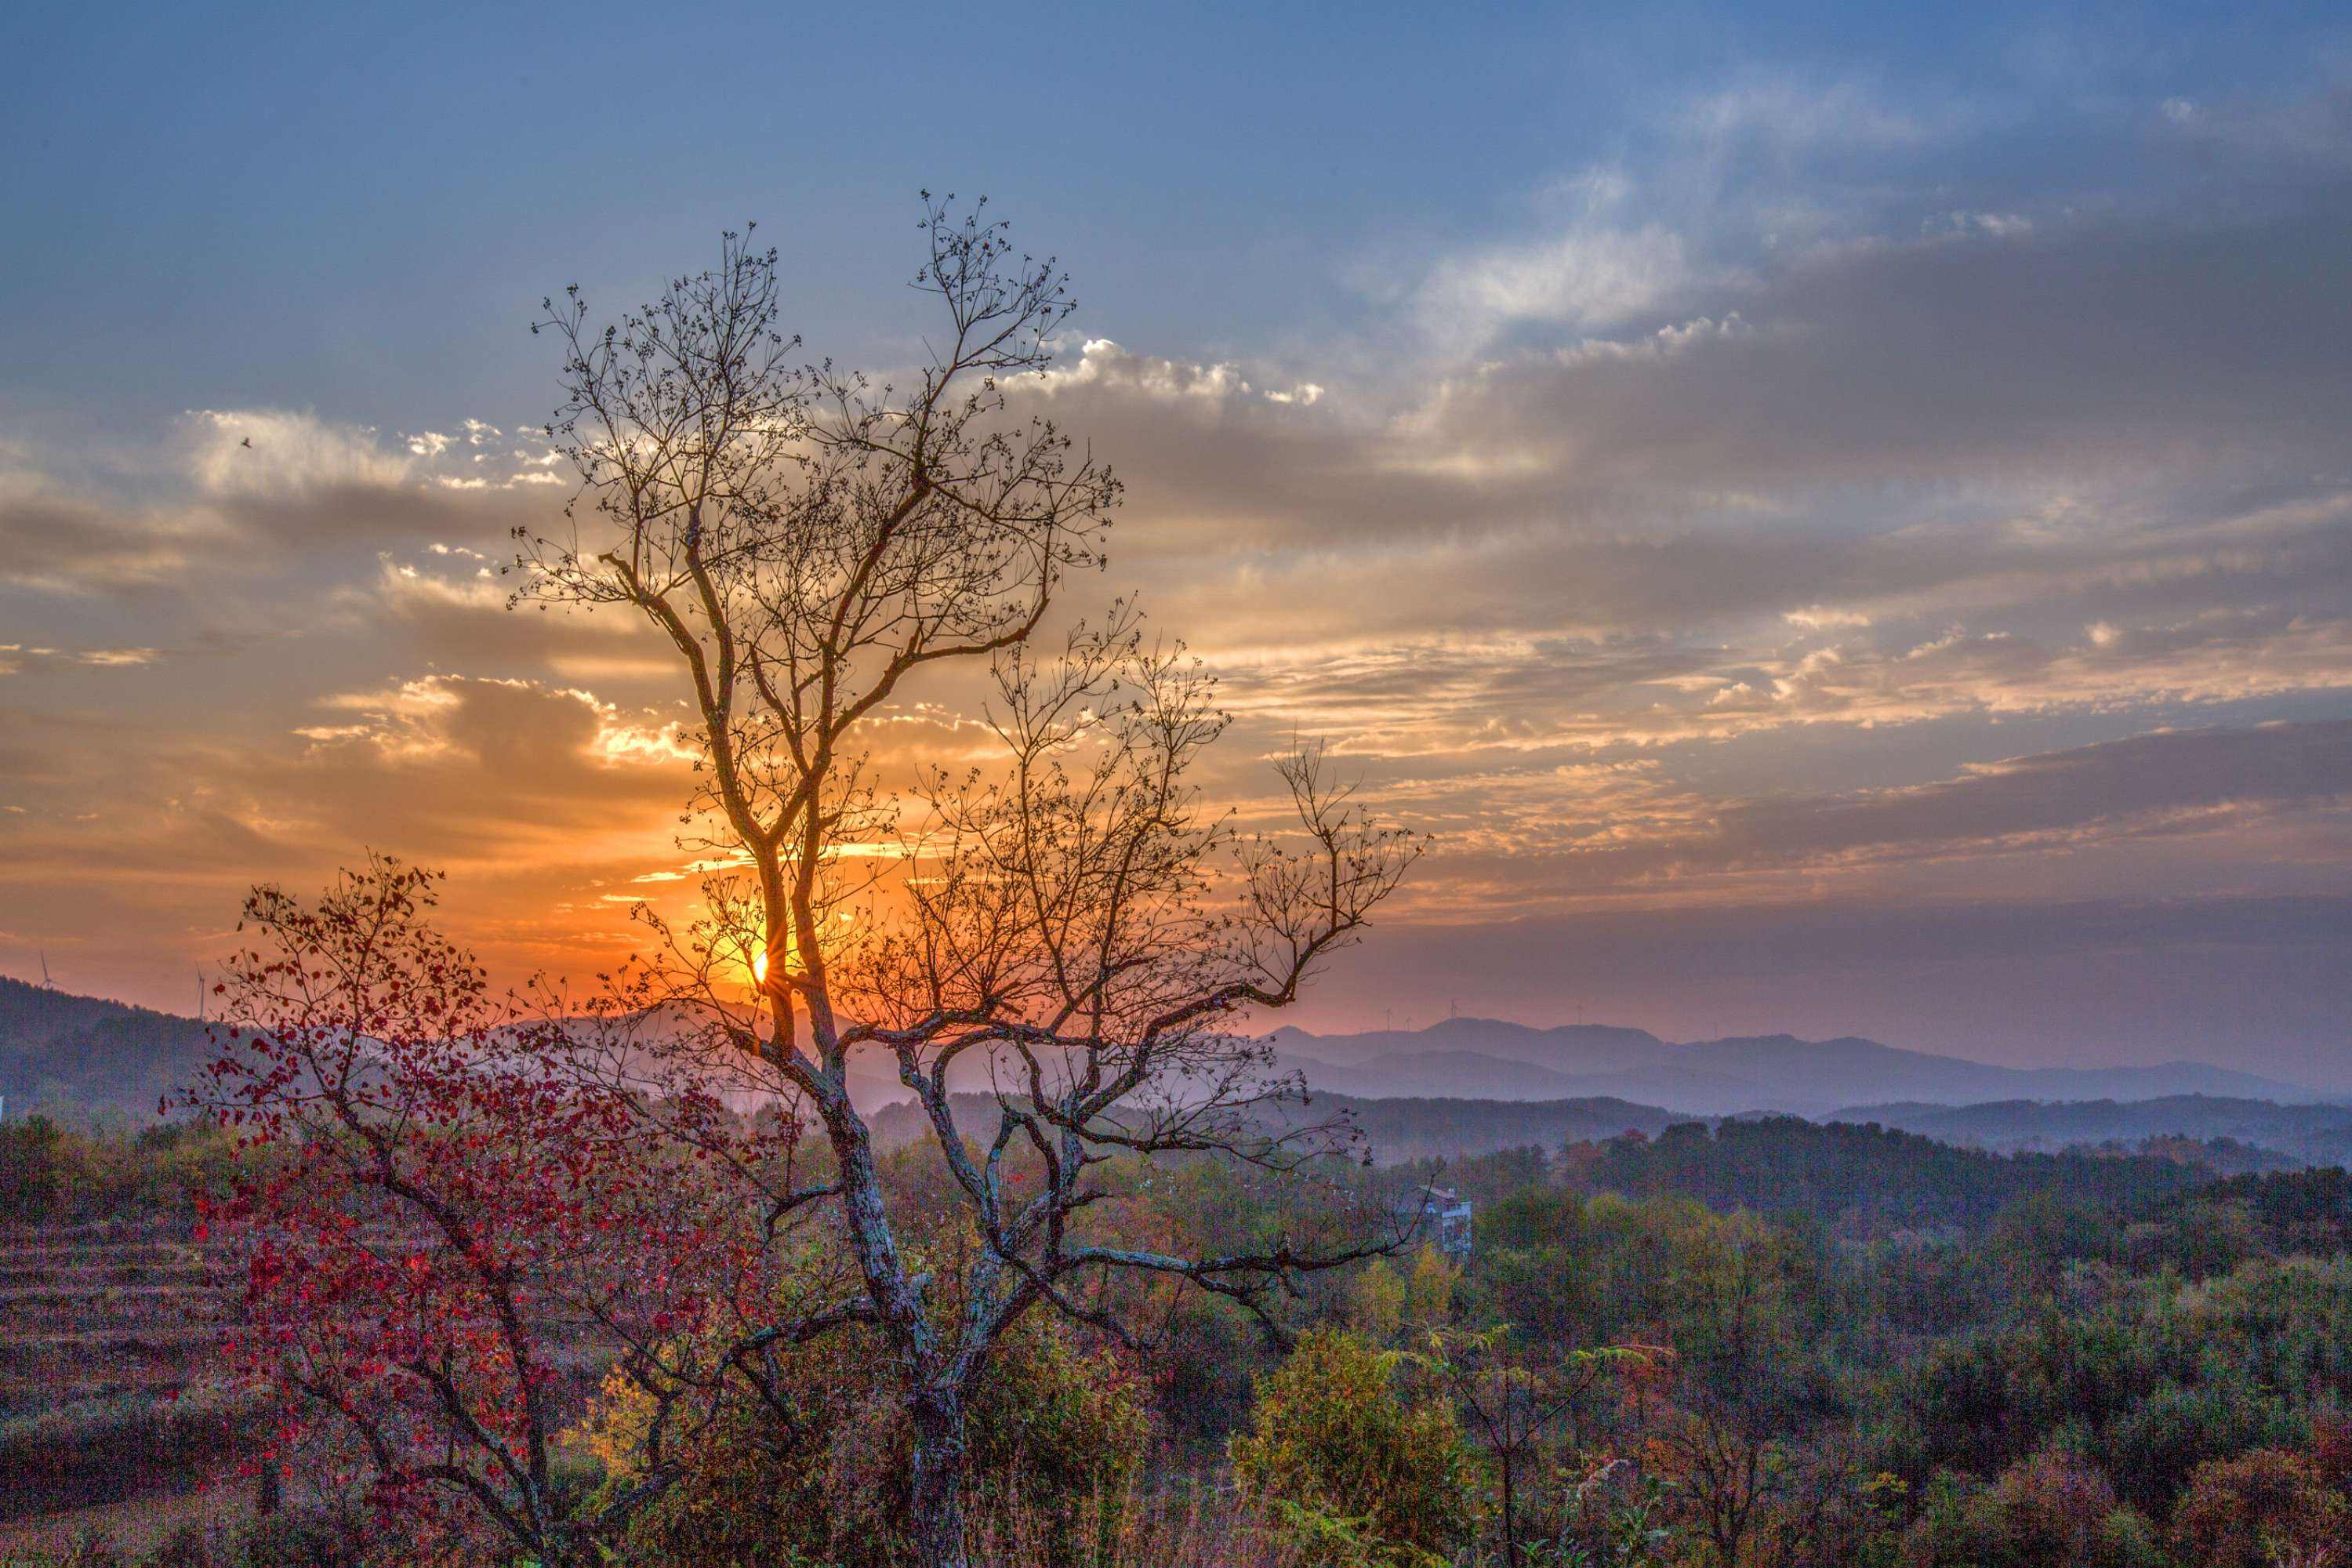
1489 1058
61 1052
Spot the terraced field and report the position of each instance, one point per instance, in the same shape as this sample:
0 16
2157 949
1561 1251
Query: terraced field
107 1413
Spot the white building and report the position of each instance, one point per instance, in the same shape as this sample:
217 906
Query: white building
1441 1216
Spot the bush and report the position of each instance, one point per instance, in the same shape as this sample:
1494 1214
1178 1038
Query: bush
2051 1511
1056 1437
2253 1511
1353 1471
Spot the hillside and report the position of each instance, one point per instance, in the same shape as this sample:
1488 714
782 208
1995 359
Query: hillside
1454 1128
1865 1180
2317 1134
63 1053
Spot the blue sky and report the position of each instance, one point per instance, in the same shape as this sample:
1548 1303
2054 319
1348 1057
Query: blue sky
222 204
1786 497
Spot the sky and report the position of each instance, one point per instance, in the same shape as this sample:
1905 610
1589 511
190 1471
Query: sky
1834 518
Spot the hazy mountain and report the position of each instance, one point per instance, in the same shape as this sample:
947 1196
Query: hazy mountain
63 1052
1459 1075
1486 1058
1572 1049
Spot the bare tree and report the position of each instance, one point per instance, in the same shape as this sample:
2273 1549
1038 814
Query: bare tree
1076 931
1511 1397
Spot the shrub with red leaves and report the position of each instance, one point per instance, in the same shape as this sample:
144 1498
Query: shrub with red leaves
461 1217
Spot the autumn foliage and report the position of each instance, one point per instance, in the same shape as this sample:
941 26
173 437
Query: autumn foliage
459 1207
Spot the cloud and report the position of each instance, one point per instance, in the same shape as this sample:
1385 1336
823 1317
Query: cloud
1587 280
2221 657
239 496
537 740
1103 366
1896 487
2270 804
2207 779
18 658
2075 360
1791 115
132 836
272 454
56 542
2090 353
463 619
2311 129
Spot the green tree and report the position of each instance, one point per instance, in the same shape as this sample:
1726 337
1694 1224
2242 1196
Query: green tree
1745 1308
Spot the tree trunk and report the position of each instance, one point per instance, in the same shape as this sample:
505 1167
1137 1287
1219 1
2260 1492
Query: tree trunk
939 1521
1510 1519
